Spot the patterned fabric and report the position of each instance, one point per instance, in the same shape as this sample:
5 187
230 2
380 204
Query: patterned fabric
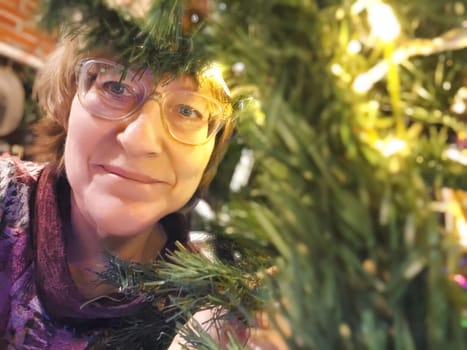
40 307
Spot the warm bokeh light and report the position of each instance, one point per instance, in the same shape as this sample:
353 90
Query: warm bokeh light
383 21
390 146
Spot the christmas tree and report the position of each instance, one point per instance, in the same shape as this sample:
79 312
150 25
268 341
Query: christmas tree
349 231
356 135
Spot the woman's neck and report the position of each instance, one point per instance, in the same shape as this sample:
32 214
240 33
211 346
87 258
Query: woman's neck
86 248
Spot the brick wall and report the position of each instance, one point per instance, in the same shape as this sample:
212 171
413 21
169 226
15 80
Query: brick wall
20 38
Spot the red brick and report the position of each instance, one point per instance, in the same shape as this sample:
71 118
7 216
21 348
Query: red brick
11 8
18 39
29 6
8 19
8 5
31 29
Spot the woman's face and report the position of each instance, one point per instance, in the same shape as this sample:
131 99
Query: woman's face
127 174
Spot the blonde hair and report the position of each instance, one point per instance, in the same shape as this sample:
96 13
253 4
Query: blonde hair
55 88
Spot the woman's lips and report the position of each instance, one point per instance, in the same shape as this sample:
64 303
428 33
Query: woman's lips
130 174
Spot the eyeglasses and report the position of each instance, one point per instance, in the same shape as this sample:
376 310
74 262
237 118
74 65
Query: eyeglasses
112 91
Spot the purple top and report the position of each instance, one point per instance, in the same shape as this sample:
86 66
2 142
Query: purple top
40 306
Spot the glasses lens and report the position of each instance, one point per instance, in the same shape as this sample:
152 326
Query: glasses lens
191 117
109 90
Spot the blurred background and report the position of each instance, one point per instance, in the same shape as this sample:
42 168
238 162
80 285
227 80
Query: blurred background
23 49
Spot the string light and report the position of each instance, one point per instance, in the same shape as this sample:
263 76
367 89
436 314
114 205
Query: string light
390 146
456 155
383 22
455 216
336 69
354 47
462 230
238 67
365 81
458 105
454 39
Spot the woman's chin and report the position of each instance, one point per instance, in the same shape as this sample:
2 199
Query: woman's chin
112 219
114 228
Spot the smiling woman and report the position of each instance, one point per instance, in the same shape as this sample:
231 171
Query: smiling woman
126 139
124 151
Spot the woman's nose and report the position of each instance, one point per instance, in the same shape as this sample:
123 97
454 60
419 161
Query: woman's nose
144 133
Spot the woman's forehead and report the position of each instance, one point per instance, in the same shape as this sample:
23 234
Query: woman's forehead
183 81
204 82
160 82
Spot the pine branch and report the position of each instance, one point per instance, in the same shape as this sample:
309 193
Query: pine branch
192 281
156 40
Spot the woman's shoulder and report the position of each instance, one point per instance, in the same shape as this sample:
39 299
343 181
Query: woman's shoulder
14 169
18 180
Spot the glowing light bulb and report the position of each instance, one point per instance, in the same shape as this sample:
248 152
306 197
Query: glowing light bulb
462 229
340 14
458 107
238 67
336 69
455 155
362 84
354 47
383 22
390 146
365 81
373 105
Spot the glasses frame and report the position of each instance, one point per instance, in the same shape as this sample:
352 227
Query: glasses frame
153 95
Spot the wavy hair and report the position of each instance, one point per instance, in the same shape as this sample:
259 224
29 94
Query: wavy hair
55 88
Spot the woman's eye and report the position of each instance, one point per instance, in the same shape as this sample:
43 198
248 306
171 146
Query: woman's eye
116 88
188 111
